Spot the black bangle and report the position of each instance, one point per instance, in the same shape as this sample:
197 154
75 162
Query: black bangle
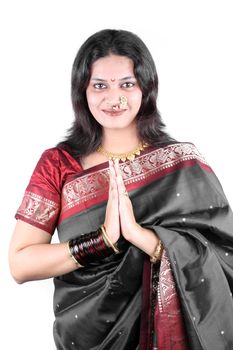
90 247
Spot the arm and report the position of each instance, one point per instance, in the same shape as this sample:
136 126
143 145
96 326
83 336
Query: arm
143 238
32 257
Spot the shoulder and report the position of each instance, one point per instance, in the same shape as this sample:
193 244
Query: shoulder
183 149
55 153
54 166
59 158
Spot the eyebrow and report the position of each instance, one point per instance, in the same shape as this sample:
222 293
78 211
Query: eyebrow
122 79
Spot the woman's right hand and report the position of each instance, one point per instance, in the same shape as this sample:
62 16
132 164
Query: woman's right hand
112 219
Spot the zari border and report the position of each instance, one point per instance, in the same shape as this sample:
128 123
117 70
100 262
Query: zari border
38 209
90 186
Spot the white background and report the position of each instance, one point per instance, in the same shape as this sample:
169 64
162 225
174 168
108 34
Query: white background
191 42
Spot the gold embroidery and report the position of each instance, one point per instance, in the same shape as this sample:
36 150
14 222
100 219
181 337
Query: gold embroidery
90 186
37 208
167 288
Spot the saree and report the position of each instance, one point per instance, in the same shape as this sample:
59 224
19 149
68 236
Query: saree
124 302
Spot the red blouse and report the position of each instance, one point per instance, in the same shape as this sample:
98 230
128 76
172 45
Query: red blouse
41 203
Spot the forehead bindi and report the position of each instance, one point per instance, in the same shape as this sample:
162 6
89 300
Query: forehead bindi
112 68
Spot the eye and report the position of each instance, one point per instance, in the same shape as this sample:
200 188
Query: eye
128 84
99 86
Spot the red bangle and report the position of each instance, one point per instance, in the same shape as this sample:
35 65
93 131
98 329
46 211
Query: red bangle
91 247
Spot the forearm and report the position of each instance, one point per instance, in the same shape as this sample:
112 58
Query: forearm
144 239
41 261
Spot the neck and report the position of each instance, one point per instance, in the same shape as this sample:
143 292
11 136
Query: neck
119 141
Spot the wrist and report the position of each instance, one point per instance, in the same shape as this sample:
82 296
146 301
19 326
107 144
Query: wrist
133 234
108 240
156 256
112 233
91 247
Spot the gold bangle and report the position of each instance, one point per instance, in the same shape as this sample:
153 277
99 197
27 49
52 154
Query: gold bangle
71 256
108 240
157 253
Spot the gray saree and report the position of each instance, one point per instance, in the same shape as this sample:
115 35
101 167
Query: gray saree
119 303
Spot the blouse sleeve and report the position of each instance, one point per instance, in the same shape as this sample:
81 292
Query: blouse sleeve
40 206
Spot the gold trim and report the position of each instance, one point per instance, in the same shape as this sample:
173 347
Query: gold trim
88 187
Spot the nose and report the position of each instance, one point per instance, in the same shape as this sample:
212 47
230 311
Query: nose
112 96
120 104
113 99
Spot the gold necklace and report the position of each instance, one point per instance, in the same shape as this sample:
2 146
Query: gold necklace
123 156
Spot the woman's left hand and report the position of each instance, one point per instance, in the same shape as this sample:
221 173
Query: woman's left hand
128 224
143 238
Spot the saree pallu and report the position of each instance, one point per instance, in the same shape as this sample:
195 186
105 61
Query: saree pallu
175 193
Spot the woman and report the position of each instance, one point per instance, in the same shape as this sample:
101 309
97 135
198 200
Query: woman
145 259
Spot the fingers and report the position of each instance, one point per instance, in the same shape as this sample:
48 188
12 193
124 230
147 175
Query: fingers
126 214
112 179
119 180
112 210
127 221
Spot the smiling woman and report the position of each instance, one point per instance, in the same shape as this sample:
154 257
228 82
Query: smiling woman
104 95
145 229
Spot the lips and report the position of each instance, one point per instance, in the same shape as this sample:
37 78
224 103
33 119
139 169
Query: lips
112 113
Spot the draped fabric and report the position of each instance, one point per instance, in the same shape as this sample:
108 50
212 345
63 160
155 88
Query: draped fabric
103 306
162 324
168 320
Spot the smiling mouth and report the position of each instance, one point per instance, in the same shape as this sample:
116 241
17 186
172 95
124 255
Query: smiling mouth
113 113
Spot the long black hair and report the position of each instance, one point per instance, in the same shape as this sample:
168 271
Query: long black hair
85 135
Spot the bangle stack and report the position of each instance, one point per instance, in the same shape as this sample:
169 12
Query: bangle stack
91 247
157 253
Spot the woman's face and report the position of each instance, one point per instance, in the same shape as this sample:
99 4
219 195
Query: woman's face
112 77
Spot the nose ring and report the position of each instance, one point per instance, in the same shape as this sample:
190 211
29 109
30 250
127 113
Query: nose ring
123 101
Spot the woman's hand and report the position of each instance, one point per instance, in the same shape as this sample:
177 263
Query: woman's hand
112 218
143 238
128 225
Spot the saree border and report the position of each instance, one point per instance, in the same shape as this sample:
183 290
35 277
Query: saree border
92 187
38 209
